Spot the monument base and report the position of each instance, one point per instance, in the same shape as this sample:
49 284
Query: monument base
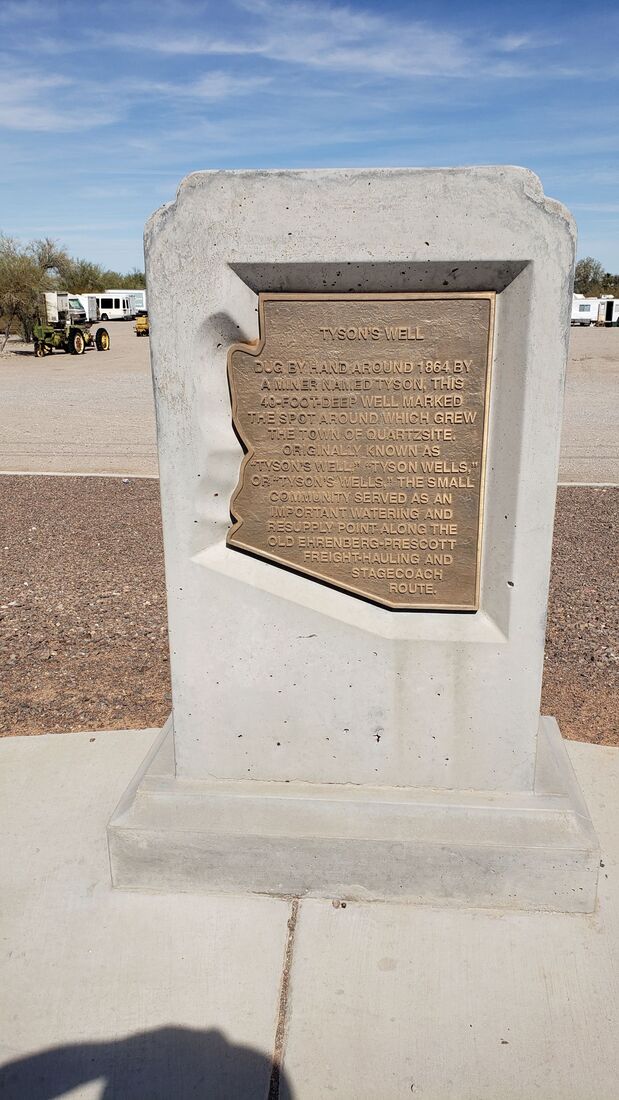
466 848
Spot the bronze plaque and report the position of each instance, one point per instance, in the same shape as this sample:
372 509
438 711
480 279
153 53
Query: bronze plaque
363 418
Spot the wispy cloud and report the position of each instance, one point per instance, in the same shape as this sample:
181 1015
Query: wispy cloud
28 101
513 43
211 87
23 12
344 39
323 36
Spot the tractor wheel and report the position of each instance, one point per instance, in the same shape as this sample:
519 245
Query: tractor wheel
76 342
39 349
102 339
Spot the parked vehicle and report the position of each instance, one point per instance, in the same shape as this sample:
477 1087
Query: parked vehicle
608 311
141 324
602 311
139 298
584 310
137 301
89 305
63 327
106 307
113 305
136 298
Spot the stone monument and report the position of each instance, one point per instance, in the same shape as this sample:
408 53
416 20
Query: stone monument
358 380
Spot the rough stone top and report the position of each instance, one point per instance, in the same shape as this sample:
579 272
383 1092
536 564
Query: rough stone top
495 186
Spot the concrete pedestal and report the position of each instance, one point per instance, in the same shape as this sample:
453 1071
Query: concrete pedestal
322 744
522 851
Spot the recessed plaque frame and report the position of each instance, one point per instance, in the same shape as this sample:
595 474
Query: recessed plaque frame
364 424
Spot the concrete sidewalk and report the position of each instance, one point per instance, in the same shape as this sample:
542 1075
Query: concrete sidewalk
151 996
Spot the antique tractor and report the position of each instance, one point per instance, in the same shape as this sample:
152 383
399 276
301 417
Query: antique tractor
141 323
65 328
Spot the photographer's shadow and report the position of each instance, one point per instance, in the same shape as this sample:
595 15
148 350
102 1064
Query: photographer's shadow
169 1063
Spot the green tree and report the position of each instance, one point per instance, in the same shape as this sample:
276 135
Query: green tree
135 279
82 276
28 270
589 278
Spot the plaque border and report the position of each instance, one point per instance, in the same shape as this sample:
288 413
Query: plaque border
254 347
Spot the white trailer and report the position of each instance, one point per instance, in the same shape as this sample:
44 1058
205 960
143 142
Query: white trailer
608 311
584 310
89 305
63 306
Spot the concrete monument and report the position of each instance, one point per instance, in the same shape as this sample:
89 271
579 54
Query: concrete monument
358 380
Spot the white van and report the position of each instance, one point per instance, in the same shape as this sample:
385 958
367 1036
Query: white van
112 307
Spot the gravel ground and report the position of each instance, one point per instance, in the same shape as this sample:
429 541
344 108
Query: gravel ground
581 669
83 625
83 618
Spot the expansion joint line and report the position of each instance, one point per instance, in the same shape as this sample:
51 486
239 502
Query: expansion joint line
282 1013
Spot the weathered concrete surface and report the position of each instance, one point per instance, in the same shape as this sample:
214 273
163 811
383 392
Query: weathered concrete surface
276 677
535 850
380 1000
389 1001
279 680
84 964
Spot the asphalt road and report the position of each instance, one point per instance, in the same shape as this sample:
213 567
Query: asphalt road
94 414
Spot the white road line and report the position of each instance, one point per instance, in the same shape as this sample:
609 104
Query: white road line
72 473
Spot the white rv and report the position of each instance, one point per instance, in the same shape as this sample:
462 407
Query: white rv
608 311
137 300
63 306
584 310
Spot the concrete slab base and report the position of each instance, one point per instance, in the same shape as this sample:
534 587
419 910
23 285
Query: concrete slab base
466 848
159 997
137 994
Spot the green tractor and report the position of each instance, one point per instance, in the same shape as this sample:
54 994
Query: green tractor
65 328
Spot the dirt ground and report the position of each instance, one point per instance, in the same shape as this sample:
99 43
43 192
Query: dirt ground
83 618
79 414
94 413
590 436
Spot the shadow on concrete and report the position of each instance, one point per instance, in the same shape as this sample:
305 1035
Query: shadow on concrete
169 1063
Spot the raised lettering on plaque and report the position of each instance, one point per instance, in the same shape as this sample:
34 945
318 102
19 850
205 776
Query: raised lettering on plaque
363 418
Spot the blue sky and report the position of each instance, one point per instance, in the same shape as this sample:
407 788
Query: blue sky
105 106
